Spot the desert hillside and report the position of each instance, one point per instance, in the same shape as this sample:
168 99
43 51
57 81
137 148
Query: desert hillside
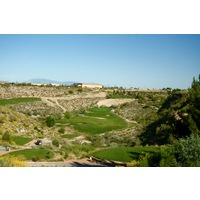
61 123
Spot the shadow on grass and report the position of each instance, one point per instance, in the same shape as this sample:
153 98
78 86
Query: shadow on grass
136 155
96 162
77 164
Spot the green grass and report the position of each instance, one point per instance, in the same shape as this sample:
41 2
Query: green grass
70 136
123 154
20 140
31 153
95 121
4 102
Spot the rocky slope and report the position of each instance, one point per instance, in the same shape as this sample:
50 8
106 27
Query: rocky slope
20 124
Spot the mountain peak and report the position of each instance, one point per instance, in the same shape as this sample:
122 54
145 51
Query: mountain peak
48 81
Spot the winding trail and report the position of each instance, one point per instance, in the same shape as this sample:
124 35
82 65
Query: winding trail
53 102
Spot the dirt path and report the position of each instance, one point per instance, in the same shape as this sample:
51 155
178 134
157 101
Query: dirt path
56 101
53 102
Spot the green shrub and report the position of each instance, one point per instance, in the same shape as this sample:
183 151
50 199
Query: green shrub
50 121
55 143
61 130
66 155
168 157
82 111
6 137
163 158
188 151
71 92
11 161
80 90
143 160
68 115
36 158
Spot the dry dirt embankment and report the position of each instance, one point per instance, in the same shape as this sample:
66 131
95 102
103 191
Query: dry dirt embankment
72 102
114 102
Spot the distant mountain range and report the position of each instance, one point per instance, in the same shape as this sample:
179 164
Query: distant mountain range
47 81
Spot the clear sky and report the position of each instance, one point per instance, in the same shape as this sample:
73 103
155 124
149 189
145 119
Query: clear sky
132 60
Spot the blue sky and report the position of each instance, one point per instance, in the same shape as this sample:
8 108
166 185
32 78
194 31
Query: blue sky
132 60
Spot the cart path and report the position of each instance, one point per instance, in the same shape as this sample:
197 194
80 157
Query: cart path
69 163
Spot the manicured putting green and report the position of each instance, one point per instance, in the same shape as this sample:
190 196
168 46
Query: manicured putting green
96 120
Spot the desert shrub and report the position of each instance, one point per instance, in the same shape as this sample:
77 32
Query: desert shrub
71 92
78 150
11 161
6 137
149 160
80 90
61 130
96 140
132 141
55 143
82 111
36 158
188 151
66 155
21 157
35 113
68 115
57 116
50 121
133 163
143 160
168 158
163 158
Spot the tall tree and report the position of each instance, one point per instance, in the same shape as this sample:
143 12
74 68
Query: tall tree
195 104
